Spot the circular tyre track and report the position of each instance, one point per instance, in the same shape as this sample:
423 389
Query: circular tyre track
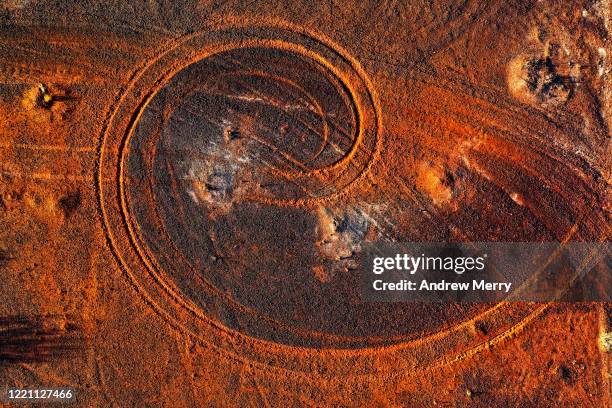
179 148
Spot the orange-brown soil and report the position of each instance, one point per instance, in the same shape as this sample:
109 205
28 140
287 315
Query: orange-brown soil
185 188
